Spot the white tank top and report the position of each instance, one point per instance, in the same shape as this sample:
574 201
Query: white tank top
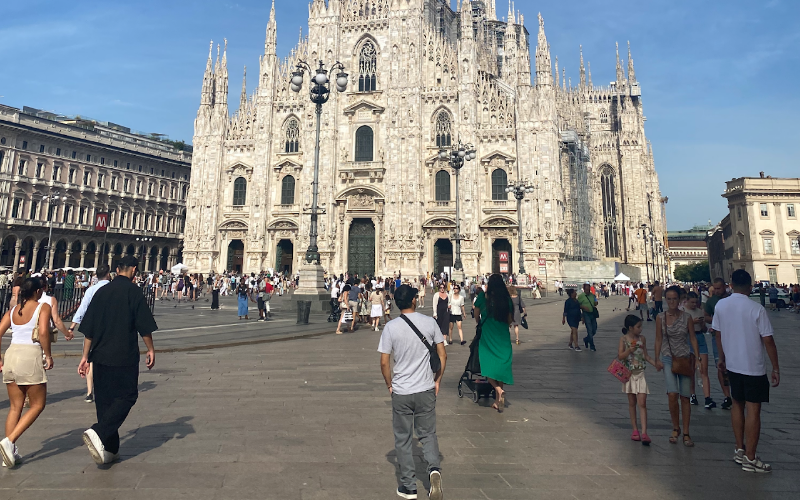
21 334
48 299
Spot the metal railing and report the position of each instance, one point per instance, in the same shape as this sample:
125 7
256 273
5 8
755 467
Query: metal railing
69 299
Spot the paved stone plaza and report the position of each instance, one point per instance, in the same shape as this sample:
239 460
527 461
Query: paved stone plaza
309 418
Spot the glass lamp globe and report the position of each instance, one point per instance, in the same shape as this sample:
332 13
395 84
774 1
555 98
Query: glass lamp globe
297 78
341 80
321 78
443 155
295 88
462 153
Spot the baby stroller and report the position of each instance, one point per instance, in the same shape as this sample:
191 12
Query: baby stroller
471 378
335 311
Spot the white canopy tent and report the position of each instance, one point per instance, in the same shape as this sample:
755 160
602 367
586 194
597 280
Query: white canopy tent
622 277
179 268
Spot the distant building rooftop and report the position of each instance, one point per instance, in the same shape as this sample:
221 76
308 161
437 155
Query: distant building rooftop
112 130
697 233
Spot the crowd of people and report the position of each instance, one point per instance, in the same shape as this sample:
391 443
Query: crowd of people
739 328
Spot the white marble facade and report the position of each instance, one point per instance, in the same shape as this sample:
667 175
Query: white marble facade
420 74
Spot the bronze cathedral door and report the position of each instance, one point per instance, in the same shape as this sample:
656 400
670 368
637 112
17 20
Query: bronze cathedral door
361 248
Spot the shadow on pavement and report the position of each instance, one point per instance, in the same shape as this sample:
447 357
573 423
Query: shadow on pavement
153 436
57 445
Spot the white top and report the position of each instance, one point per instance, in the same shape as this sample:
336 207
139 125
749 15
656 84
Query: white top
411 373
87 299
742 323
21 334
456 303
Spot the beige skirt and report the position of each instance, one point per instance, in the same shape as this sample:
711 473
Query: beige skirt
636 385
23 365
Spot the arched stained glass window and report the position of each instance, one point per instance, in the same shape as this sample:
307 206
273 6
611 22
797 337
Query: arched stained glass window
603 117
287 190
239 191
292 137
444 129
367 68
442 182
499 184
608 191
364 139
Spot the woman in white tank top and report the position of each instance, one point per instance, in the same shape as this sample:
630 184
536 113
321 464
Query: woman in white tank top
23 366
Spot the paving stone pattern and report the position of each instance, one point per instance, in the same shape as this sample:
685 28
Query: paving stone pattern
310 418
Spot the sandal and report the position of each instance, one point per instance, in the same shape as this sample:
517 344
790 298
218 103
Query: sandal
517 341
687 441
674 437
635 436
501 402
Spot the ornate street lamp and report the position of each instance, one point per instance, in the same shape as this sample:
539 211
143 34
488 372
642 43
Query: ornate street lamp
645 233
520 189
457 155
319 93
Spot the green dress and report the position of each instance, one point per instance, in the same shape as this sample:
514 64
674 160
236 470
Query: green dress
495 346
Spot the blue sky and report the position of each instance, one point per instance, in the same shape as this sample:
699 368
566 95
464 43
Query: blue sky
719 79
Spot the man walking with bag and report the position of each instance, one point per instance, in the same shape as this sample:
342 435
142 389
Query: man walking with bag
414 340
116 317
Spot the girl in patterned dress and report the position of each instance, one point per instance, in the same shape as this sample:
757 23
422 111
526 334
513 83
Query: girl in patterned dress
632 352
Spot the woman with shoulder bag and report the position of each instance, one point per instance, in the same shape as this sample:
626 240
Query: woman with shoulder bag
493 312
343 307
23 366
674 334
518 308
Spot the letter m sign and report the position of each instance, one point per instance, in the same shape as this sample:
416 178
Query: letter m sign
101 222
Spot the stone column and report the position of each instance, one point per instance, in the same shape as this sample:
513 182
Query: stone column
83 258
147 261
52 252
781 235
97 257
67 254
35 255
110 257
17 251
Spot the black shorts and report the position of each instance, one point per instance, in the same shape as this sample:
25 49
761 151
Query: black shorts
261 303
749 388
773 301
455 317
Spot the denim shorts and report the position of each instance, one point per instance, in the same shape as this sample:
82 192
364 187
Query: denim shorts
676 384
701 343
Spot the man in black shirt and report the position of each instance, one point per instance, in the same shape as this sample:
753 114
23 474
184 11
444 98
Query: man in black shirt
117 312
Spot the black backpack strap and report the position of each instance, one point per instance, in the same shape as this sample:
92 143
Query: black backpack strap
416 330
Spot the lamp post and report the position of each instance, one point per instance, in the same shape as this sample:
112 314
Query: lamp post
319 94
519 189
457 155
52 201
646 233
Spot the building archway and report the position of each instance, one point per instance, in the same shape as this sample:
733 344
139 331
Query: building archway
75 254
60 254
501 256
8 250
165 258
235 256
131 250
117 256
361 248
442 256
91 255
284 257
41 257
154 259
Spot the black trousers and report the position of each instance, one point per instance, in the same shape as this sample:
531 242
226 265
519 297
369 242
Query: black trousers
116 389
214 299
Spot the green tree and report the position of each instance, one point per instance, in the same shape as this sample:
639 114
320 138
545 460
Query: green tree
693 273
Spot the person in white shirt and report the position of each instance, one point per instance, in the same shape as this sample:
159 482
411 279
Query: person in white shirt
456 306
744 333
103 280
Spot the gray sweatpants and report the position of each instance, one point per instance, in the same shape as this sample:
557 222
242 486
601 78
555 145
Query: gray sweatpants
414 412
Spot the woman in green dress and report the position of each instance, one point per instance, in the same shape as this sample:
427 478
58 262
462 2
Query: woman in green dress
493 312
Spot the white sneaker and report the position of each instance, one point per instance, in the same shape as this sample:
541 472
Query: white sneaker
7 450
17 457
738 453
96 448
436 485
109 457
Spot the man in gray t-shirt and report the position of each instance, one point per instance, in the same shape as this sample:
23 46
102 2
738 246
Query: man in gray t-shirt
413 387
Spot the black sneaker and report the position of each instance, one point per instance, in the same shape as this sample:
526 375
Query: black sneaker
726 404
693 400
585 342
436 485
404 492
89 398
710 404
593 349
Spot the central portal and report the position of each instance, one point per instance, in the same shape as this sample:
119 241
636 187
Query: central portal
442 256
361 248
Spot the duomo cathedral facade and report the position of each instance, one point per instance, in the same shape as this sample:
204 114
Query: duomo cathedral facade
421 77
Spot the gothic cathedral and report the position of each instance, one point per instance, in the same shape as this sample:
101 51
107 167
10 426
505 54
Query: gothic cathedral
423 77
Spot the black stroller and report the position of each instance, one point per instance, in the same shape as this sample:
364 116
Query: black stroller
335 311
471 378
